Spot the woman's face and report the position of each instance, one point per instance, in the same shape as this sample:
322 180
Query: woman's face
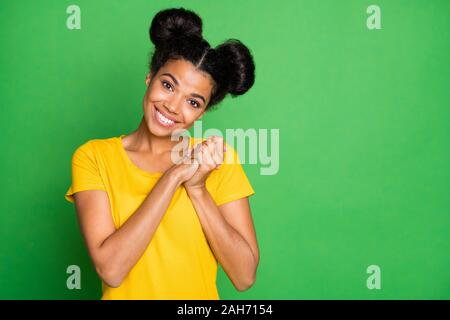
176 96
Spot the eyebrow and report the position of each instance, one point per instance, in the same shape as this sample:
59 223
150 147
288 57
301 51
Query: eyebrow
177 83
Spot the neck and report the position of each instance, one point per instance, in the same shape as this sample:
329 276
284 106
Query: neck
142 140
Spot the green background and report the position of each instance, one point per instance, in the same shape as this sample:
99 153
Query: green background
364 139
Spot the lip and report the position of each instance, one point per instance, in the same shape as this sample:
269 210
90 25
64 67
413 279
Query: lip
155 109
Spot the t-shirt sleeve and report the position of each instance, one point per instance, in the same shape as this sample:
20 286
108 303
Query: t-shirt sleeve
232 183
85 172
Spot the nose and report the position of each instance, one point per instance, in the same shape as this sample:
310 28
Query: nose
171 108
173 105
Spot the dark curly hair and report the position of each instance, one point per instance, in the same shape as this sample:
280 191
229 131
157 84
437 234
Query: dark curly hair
177 34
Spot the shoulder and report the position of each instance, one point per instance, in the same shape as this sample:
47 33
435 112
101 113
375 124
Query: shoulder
95 146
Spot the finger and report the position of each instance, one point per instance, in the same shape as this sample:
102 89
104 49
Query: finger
206 147
187 159
207 156
211 146
199 156
195 164
200 151
196 154
219 147
215 155
219 152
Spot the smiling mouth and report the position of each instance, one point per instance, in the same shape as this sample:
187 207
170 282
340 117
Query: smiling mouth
162 120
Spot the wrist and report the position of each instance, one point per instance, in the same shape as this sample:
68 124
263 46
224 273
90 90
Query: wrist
174 177
196 191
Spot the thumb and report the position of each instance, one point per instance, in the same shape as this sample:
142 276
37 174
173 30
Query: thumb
195 163
187 159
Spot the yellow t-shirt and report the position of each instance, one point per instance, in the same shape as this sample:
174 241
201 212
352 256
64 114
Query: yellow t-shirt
178 263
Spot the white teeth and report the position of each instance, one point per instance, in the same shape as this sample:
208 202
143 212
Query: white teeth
164 119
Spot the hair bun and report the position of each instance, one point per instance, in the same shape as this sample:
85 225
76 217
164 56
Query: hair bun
170 24
239 66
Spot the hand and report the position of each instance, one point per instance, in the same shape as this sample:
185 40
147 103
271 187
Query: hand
184 169
209 155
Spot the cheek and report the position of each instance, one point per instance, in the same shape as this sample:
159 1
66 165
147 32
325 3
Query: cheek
191 114
155 95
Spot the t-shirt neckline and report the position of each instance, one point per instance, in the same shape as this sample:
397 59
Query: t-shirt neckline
131 164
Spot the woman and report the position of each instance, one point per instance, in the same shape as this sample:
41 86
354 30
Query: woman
155 228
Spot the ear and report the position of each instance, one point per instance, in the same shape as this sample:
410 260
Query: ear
148 79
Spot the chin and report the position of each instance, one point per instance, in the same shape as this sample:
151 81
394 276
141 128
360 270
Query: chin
158 131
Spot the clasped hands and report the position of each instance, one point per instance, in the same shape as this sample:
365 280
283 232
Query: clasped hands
198 162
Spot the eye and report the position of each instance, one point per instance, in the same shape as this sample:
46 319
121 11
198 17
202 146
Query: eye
167 85
194 103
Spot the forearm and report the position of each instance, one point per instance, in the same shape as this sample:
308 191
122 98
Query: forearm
231 250
123 248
